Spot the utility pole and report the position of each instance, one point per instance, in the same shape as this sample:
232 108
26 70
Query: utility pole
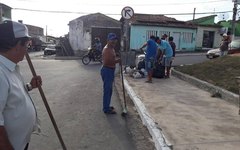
234 18
194 12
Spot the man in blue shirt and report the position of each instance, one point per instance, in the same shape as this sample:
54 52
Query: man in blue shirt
167 54
150 57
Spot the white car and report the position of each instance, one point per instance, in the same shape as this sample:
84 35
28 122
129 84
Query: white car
50 50
213 53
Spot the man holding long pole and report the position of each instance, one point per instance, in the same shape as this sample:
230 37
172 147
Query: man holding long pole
107 72
18 116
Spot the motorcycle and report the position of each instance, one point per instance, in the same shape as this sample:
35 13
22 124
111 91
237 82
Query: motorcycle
92 55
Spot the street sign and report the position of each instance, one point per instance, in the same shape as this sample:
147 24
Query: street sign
127 12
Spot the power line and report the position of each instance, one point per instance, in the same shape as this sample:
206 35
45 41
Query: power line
180 3
72 12
156 4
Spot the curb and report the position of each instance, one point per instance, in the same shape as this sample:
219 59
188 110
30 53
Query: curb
159 139
224 94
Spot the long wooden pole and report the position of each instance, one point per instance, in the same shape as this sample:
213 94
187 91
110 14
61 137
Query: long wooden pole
46 103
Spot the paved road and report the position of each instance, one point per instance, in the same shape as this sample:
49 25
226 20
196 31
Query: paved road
74 93
189 58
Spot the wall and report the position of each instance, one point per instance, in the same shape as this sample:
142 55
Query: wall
79 40
138 36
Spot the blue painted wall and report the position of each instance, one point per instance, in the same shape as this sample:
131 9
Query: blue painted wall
138 36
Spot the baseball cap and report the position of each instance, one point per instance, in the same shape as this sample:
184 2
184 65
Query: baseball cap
112 36
224 34
12 30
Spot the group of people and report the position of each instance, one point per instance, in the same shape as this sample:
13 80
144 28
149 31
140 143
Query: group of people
18 116
159 50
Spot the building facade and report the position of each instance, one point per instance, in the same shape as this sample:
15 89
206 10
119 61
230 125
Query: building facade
5 12
142 26
208 33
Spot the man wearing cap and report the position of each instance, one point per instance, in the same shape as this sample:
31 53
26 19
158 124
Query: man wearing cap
224 45
18 117
107 72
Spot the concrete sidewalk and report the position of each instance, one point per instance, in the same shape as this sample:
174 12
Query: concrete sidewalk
181 116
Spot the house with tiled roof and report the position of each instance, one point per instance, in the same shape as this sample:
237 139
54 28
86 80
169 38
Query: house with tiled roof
142 26
208 32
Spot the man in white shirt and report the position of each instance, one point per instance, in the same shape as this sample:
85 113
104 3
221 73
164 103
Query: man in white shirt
18 115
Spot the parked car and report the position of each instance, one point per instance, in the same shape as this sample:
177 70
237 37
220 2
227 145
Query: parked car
50 50
234 47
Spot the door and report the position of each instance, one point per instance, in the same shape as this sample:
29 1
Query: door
176 39
208 39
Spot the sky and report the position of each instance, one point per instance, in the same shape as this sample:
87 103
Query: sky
54 15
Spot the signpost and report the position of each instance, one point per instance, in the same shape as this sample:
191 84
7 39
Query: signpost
127 13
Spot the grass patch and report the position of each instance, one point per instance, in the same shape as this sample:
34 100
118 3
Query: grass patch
220 72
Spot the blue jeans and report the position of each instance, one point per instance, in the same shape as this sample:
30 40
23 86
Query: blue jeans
108 78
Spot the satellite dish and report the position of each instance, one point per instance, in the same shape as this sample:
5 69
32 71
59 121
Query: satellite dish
223 16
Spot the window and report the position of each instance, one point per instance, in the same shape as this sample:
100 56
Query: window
149 33
187 37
